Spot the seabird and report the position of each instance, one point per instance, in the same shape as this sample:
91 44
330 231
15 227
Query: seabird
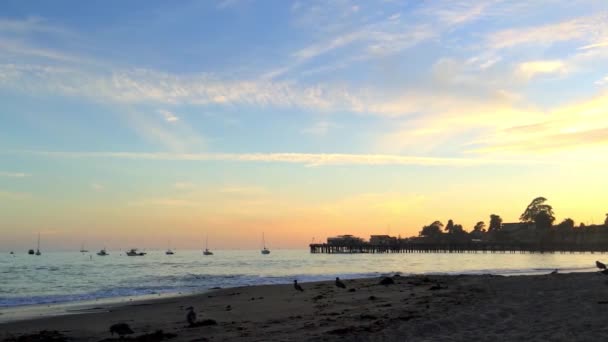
191 316
121 329
554 271
600 265
339 283
297 286
387 281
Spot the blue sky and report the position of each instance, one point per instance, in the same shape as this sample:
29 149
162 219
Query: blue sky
301 118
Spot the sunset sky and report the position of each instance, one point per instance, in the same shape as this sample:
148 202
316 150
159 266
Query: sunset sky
131 123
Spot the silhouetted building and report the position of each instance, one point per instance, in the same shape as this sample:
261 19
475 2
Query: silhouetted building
344 240
382 240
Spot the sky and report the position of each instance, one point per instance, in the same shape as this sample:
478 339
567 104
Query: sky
148 123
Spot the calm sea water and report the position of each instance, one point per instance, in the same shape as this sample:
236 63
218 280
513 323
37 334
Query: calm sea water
63 277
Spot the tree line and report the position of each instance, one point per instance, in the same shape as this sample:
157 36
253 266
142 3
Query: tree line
536 222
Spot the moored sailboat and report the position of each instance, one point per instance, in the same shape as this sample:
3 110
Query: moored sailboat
207 251
264 249
38 249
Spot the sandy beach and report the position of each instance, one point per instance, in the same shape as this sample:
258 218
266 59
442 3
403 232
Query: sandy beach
561 307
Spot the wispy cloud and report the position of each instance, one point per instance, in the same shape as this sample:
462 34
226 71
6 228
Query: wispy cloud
14 174
580 127
168 116
531 69
307 159
586 29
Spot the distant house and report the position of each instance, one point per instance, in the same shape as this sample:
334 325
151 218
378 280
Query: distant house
343 240
382 240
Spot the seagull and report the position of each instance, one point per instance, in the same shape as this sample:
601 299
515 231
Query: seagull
191 316
121 329
297 286
600 265
387 281
554 271
339 283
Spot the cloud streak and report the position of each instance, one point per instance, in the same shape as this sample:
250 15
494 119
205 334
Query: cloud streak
307 159
14 174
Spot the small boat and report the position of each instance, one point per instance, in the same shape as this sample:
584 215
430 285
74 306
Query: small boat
38 249
134 252
31 252
103 252
264 249
207 251
82 250
169 251
12 252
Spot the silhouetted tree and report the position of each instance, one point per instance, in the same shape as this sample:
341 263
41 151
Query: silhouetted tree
566 225
479 230
543 220
458 229
480 227
450 226
495 223
433 230
606 221
536 207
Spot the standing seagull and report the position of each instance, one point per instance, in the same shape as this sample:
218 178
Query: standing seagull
191 316
339 283
297 286
600 265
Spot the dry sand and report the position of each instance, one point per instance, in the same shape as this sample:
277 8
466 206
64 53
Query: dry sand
562 307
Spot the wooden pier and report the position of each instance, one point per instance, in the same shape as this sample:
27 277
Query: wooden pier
472 247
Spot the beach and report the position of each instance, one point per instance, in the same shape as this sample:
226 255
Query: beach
557 307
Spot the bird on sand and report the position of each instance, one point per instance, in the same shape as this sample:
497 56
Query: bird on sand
387 281
339 283
554 271
600 265
191 316
297 286
121 329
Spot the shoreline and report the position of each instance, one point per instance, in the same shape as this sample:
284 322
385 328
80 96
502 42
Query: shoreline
426 307
16 313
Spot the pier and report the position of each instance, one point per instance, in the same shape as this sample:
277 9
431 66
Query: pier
468 247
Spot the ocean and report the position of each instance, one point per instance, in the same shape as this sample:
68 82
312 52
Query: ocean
66 277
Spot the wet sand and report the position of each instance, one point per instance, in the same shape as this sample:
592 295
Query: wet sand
562 307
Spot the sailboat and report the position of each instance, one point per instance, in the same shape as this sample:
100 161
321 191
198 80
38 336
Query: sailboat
207 251
169 251
38 249
102 252
264 249
82 250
